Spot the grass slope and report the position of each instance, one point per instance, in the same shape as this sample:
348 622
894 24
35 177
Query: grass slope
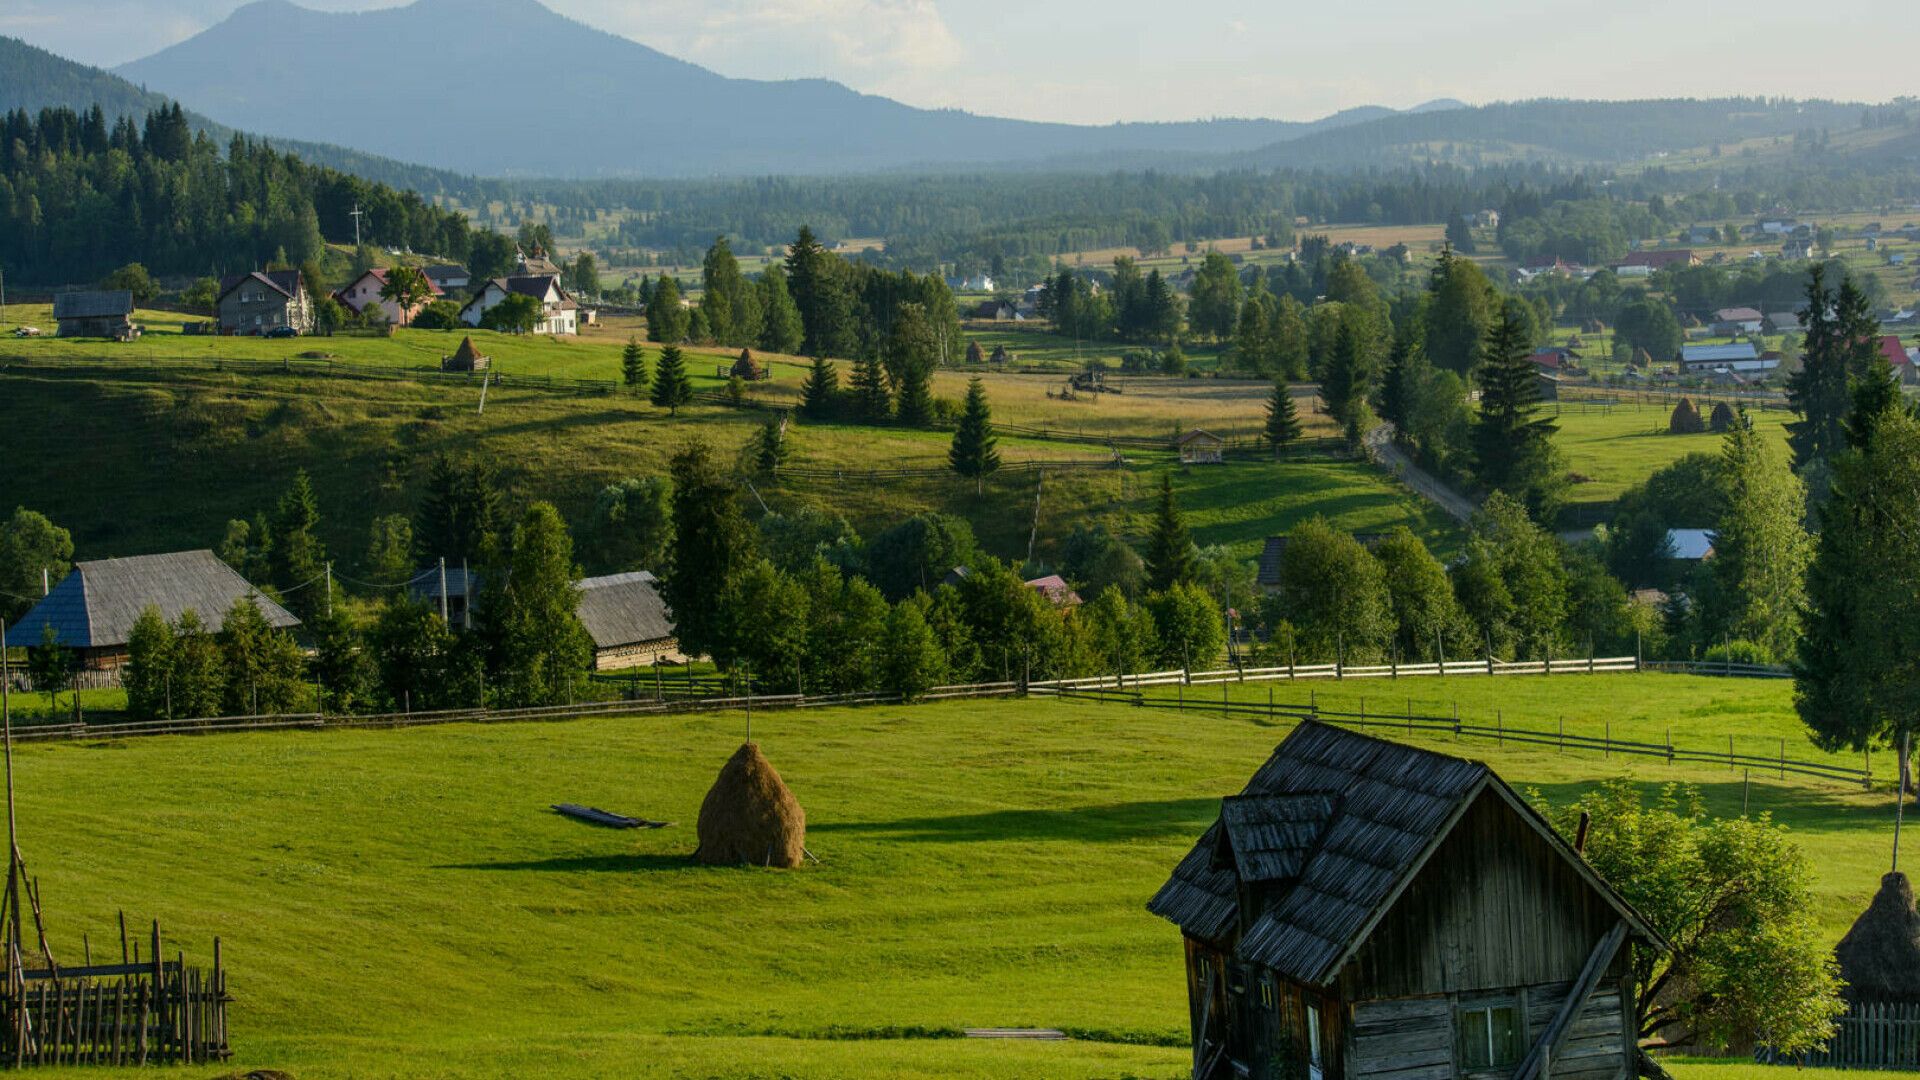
402 903
1616 447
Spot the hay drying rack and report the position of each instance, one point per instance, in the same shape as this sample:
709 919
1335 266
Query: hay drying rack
136 1012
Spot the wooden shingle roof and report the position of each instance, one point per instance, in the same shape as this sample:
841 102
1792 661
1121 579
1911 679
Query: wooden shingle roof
95 304
97 604
1381 808
623 609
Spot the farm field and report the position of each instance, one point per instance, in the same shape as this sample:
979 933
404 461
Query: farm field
403 903
180 453
1616 447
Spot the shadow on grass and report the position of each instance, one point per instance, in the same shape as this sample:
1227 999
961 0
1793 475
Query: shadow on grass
574 864
1824 808
1091 824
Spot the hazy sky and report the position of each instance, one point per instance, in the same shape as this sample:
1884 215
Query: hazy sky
1096 61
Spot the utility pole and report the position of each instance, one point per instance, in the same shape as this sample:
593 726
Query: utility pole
443 590
329 588
3 298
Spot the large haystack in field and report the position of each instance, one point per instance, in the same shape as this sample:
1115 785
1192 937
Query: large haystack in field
750 817
1880 956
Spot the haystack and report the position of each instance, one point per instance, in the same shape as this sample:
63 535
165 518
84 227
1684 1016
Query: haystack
750 817
1880 956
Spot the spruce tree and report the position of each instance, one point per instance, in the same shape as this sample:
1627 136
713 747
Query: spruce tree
297 556
781 330
770 446
1283 419
633 365
1512 444
672 387
712 547
540 651
1170 558
915 407
1838 351
820 391
667 319
871 402
972 453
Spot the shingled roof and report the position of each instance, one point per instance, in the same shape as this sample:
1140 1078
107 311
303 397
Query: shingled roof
95 606
1375 810
623 609
95 304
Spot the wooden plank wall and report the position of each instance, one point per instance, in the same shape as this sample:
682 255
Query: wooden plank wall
1412 1038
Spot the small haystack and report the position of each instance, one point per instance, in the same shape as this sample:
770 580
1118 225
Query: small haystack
466 358
745 367
750 817
1880 956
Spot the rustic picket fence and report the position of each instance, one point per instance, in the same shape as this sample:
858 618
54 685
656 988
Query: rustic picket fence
1872 1035
127 1014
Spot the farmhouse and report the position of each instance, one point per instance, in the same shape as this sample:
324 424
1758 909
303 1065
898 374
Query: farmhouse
264 300
446 277
1199 447
105 313
1737 320
1741 357
1797 248
94 607
627 620
1056 590
1657 260
559 313
1364 909
364 292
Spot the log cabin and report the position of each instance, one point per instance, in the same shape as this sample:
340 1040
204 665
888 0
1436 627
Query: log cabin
1369 910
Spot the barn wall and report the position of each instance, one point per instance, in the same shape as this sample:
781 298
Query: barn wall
1497 906
1413 1038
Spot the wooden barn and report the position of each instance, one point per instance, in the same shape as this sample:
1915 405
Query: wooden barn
627 620
1364 909
106 313
1198 447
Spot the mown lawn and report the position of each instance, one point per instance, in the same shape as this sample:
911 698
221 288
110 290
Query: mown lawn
1610 449
402 903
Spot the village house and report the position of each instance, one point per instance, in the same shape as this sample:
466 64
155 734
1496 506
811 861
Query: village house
1783 322
364 292
1704 235
996 310
1740 358
104 313
92 610
1646 262
1368 910
1737 320
453 590
1797 248
1056 590
627 620
559 313
263 301
1199 447
1554 358
448 277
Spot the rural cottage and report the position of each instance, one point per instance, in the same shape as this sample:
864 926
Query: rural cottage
1364 909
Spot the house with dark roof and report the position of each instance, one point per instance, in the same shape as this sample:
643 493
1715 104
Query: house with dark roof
627 620
264 300
559 312
94 607
103 313
1738 320
447 276
1363 910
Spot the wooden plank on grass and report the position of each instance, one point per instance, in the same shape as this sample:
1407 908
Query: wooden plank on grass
1035 1034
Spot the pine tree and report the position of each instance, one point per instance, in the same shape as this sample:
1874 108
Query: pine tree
633 365
1170 559
871 402
915 407
1839 351
1283 419
672 387
972 453
1512 444
667 319
297 556
781 330
820 391
770 445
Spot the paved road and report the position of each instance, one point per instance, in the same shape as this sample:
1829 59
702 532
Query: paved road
1392 459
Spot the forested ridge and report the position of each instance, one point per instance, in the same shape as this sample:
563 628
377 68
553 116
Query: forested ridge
80 195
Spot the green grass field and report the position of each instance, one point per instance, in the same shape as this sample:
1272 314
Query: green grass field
1616 447
403 903
138 461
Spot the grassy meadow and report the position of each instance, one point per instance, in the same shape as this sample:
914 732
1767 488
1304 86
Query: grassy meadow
1611 448
403 903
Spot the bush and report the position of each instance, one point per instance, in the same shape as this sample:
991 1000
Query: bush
1738 651
439 315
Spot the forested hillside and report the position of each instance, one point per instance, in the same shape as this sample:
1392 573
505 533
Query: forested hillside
80 196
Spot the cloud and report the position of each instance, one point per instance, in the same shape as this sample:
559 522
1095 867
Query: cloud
868 43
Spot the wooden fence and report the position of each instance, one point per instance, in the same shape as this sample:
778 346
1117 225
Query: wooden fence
1872 1035
127 1014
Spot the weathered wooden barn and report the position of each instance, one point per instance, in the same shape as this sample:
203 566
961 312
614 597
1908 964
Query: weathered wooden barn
105 313
627 620
1364 909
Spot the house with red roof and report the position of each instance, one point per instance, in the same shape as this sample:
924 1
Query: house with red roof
364 292
1055 589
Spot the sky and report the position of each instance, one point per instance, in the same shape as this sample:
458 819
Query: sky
1100 61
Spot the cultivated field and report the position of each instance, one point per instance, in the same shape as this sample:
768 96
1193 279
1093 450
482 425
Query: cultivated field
404 904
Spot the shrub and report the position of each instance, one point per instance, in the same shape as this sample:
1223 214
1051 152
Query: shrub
1738 651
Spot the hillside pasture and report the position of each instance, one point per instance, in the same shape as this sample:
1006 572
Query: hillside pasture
404 903
1616 447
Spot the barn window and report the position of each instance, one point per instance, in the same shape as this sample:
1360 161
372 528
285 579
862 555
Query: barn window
1488 1036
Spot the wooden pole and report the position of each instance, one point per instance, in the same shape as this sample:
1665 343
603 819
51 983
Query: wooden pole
16 979
1899 798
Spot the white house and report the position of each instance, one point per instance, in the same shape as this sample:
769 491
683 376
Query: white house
972 283
559 313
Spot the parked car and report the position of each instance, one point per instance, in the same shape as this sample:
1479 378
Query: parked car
282 331
26 331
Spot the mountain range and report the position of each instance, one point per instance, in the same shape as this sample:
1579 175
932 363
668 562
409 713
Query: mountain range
437 82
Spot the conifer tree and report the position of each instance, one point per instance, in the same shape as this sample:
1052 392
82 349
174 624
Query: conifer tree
633 365
1170 558
770 446
667 320
712 547
915 407
871 401
1283 419
672 387
820 391
1512 444
781 330
297 556
1839 351
972 453
540 651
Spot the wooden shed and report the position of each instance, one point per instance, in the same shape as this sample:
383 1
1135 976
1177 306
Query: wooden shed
628 621
1199 447
1364 909
105 313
